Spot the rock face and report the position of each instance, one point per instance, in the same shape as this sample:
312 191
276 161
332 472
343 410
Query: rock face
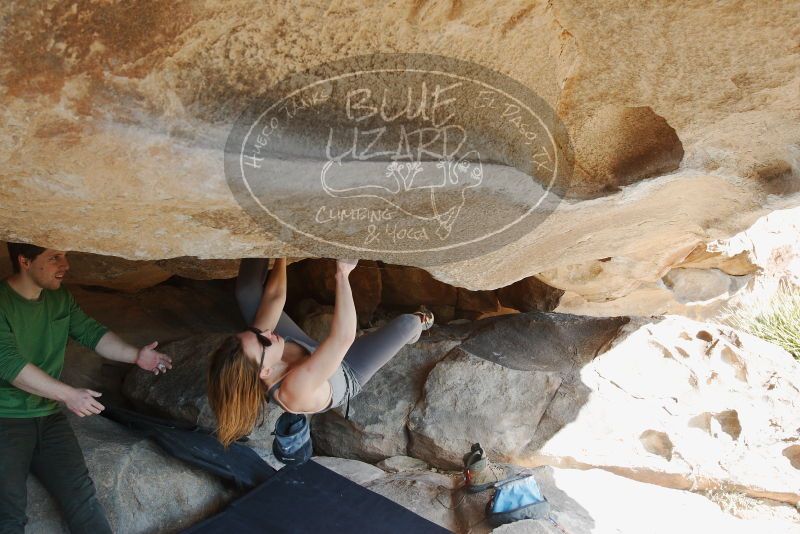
699 406
181 393
376 428
598 501
619 145
380 424
132 477
117 115
131 276
712 276
114 273
315 279
671 402
581 502
509 386
530 294
399 288
470 400
734 272
676 403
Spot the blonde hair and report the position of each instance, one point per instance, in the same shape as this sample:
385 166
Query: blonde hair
235 391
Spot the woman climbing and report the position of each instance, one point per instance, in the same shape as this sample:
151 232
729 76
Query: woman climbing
275 359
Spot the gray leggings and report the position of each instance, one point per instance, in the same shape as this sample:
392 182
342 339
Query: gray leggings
366 355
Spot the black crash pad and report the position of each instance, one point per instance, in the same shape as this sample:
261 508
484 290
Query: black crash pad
198 447
313 499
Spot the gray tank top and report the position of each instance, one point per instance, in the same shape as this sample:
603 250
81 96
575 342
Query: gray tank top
342 382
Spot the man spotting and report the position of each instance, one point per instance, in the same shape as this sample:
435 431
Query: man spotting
36 317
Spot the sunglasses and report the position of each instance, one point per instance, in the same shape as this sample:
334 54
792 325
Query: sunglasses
264 343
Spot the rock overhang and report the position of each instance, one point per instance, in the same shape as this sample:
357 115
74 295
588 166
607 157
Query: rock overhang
114 118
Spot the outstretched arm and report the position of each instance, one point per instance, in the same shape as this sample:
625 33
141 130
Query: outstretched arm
305 379
112 347
80 401
273 299
109 345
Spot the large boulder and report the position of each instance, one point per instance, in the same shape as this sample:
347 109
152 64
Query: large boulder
688 405
141 488
380 424
469 399
376 428
181 392
162 313
119 114
509 386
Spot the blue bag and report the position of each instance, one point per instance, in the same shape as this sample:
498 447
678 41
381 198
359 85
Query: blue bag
515 499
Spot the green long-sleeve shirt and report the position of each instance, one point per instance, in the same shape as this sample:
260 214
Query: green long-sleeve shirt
35 331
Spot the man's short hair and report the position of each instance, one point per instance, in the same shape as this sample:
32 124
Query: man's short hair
15 250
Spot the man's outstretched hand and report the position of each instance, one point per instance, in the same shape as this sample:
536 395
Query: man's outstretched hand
151 360
82 402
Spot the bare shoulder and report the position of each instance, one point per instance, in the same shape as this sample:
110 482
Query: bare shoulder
295 399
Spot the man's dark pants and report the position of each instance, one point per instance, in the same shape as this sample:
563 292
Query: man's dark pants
47 447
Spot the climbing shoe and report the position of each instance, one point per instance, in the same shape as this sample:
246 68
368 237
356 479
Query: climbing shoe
479 473
426 319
